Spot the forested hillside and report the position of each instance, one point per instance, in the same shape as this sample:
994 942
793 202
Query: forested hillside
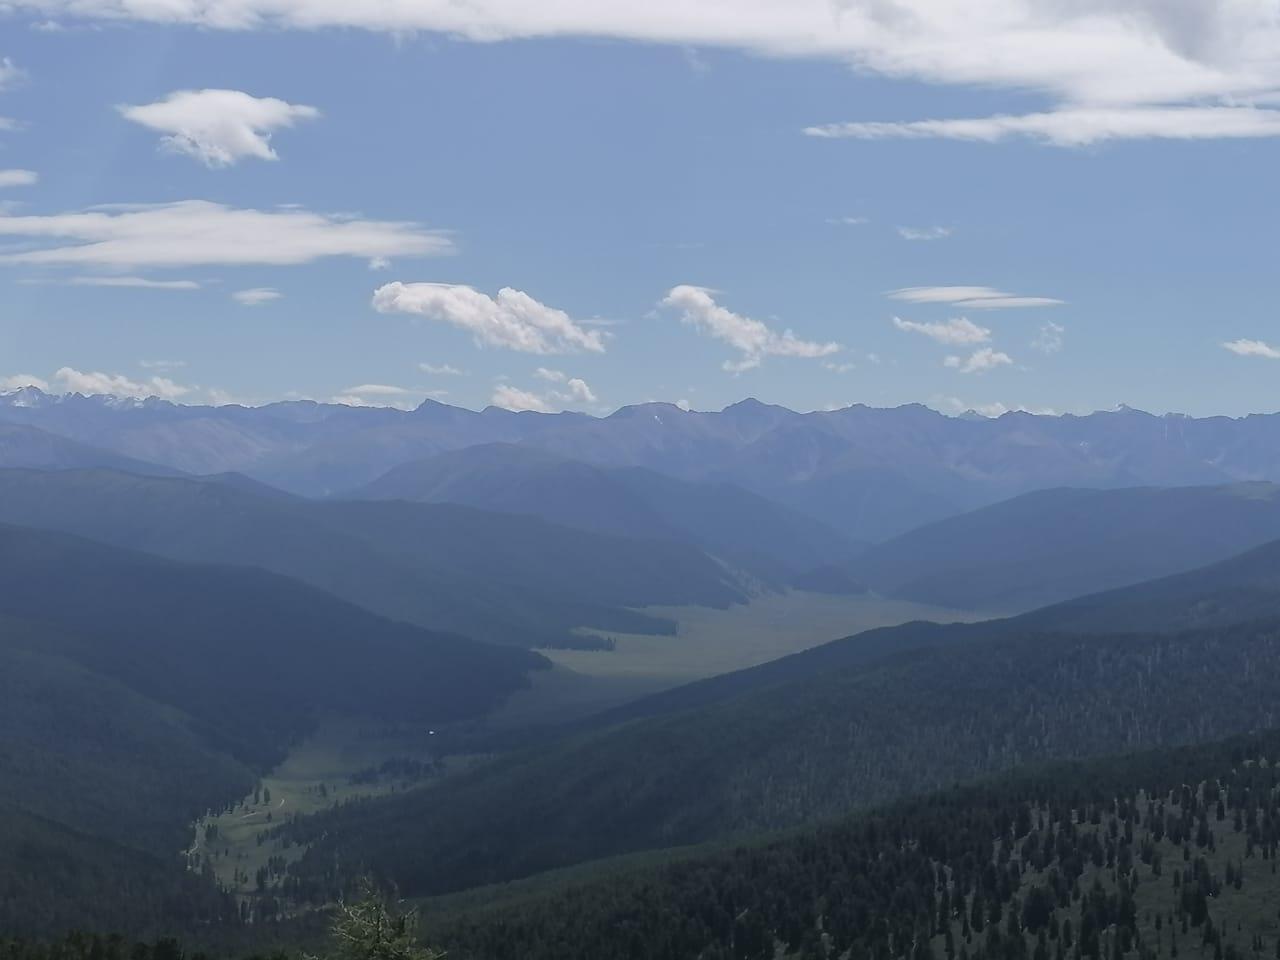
136 693
1156 855
800 752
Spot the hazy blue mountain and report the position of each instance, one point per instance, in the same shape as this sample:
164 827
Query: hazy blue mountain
751 532
869 473
1052 545
502 578
24 446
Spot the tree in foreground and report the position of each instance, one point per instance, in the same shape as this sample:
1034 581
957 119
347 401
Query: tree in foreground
367 930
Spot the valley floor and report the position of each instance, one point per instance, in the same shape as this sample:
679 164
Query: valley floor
707 642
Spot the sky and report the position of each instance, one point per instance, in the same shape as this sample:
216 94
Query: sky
1051 205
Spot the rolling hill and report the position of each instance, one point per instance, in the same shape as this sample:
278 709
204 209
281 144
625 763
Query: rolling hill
501 578
1048 546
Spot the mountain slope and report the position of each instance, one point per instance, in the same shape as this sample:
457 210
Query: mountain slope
495 577
751 532
248 653
799 752
1052 545
23 446
1164 853
1238 590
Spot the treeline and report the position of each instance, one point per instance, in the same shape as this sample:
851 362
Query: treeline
797 753
1156 855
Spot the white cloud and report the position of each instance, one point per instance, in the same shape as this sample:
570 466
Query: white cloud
256 295
384 395
959 330
218 127
974 298
198 232
579 392
1077 126
1050 338
10 73
980 361
840 368
143 283
18 178
994 408
19 380
118 385
379 263
441 370
848 221
511 319
1093 60
924 233
162 364
1252 348
752 338
575 392
513 398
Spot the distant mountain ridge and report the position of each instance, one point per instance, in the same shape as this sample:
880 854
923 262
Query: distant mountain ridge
1051 545
870 473
779 545
500 578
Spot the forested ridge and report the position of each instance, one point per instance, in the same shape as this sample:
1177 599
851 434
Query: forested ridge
1155 855
800 753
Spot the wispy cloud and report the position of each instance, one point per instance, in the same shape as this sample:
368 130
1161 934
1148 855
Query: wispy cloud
18 178
980 361
1252 348
141 283
441 370
1050 338
924 233
753 339
971 297
512 319
959 330
1075 127
118 385
198 232
256 296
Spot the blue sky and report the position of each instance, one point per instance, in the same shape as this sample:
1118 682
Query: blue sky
664 200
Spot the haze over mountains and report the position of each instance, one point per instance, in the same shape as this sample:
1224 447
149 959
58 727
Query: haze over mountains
868 473
194 597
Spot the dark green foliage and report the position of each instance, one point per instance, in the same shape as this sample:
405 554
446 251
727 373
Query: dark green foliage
136 693
803 751
1015 861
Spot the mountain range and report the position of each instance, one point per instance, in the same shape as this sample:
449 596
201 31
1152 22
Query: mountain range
868 473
